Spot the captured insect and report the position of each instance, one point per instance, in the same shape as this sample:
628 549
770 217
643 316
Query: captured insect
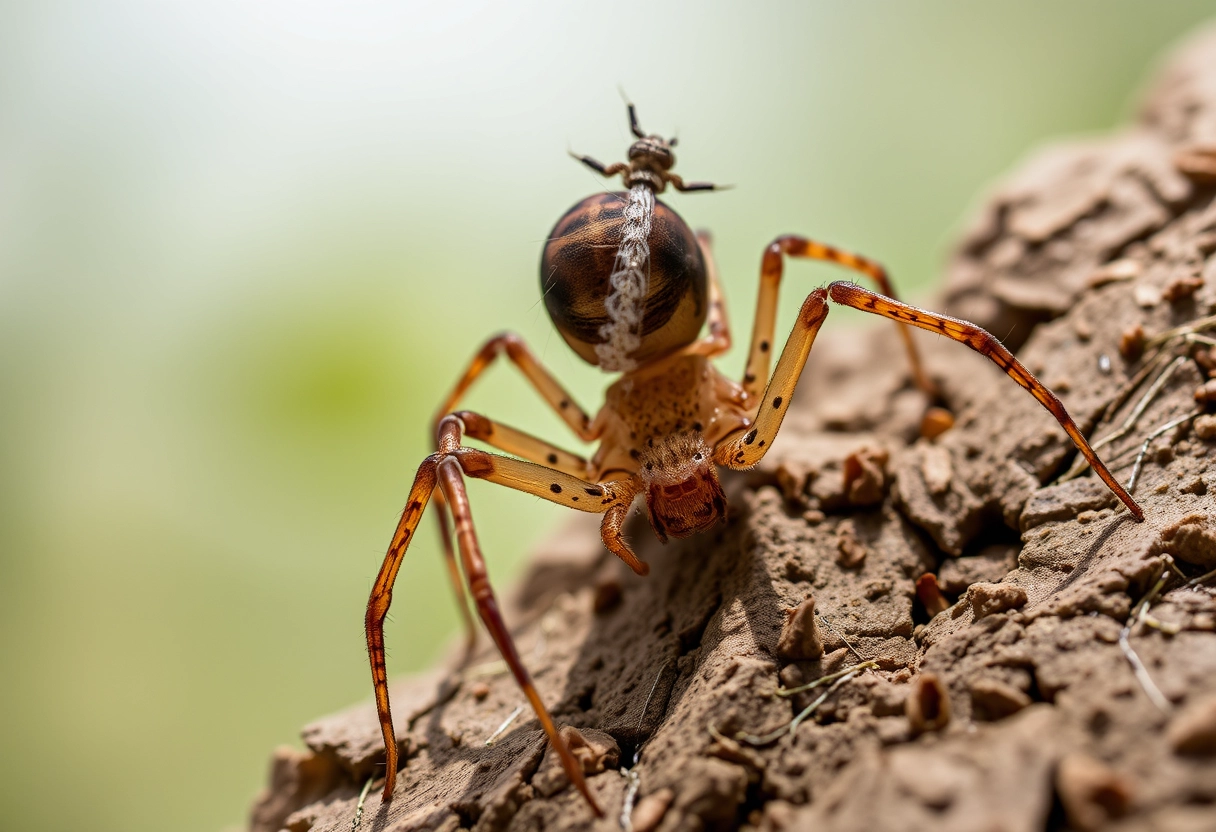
631 289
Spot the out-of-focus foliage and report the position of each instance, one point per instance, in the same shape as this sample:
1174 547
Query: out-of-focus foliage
245 248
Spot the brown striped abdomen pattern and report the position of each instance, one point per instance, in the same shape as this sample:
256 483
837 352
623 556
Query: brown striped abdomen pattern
579 257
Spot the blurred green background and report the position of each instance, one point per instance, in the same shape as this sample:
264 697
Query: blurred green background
246 247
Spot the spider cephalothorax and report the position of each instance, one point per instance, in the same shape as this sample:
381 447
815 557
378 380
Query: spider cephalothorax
683 495
630 288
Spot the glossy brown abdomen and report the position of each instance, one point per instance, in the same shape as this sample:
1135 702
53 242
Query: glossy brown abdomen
579 258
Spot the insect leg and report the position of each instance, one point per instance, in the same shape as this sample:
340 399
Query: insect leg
679 184
771 269
850 294
599 167
378 604
550 390
745 448
521 444
487 606
717 322
541 379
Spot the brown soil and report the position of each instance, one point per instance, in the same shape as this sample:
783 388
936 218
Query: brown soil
1015 706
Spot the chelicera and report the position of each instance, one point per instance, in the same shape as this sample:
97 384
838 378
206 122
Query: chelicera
634 291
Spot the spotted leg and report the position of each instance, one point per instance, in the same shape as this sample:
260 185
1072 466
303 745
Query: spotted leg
850 294
551 391
745 448
521 444
771 269
447 467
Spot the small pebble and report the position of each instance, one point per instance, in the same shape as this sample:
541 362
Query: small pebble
649 812
800 639
989 599
928 704
996 699
850 552
1131 343
1205 394
480 691
1091 792
936 421
1181 288
930 594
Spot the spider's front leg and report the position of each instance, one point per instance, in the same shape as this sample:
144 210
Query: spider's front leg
745 448
550 389
771 270
446 468
850 294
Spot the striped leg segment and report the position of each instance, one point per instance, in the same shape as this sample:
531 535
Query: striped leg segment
551 391
771 270
849 294
743 449
382 597
549 387
487 607
521 444
447 468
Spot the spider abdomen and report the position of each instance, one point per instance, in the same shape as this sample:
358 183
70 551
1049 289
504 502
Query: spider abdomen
589 302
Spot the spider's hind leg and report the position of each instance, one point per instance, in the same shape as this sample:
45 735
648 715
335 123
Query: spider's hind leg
850 294
771 271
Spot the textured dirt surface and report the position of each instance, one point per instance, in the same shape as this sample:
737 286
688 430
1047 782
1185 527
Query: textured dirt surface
1017 706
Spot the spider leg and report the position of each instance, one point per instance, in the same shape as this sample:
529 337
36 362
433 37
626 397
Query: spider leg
550 390
487 606
745 448
679 184
599 167
716 321
542 380
447 468
382 597
850 294
771 269
521 444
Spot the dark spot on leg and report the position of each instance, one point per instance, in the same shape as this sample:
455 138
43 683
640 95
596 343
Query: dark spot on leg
564 404
698 427
555 488
552 459
750 438
764 346
761 445
777 402
595 492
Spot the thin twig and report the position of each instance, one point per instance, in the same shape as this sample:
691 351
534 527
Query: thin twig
1141 672
1131 482
630 774
1080 464
847 644
1196 581
1186 329
505 725
367 787
823 680
792 728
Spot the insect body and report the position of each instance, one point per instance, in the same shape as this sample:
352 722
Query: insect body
631 289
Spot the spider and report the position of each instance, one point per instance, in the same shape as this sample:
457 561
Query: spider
631 288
